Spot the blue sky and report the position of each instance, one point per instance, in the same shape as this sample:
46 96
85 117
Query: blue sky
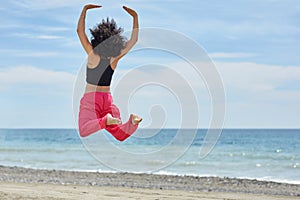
254 44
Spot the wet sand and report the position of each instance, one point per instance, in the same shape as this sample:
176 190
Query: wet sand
22 183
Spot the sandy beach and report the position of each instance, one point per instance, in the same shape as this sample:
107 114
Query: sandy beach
23 183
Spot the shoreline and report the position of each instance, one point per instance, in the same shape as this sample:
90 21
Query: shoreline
158 182
162 174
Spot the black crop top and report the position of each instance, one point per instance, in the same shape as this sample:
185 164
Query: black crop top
100 75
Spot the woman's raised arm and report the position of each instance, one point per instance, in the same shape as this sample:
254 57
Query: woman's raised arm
135 32
81 29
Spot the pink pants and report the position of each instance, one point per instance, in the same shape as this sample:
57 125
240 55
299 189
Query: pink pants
94 107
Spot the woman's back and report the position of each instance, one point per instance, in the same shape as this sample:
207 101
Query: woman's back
101 75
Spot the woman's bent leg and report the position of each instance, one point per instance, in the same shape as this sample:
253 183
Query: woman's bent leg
121 131
91 119
89 126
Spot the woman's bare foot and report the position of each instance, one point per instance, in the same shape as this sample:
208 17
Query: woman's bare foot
135 119
110 120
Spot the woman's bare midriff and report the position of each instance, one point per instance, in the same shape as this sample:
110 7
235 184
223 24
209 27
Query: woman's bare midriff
95 88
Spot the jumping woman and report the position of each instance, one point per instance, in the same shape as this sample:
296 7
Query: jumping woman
106 48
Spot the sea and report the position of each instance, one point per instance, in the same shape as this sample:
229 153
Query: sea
262 154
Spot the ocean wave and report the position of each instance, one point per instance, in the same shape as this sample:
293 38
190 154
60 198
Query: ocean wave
188 163
39 150
155 162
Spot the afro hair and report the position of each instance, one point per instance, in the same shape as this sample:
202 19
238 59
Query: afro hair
106 39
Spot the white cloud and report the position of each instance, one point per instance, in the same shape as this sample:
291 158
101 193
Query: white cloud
43 5
18 78
231 55
261 96
15 25
252 77
48 37
36 54
34 36
51 28
31 53
32 97
263 28
28 53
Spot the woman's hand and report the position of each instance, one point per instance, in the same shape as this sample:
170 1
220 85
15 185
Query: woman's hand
130 11
91 6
